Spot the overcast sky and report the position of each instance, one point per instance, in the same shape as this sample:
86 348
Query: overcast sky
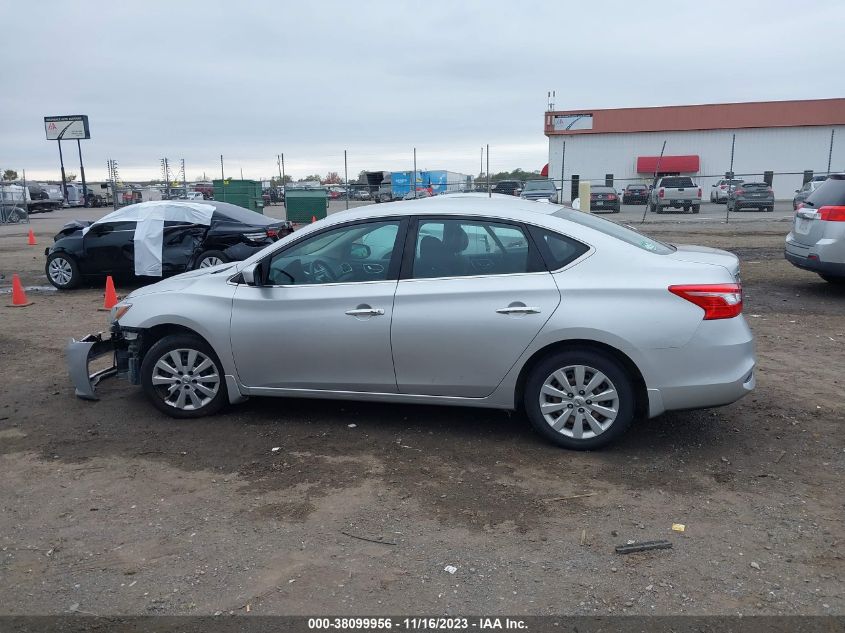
251 79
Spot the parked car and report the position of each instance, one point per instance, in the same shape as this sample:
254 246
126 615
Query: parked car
719 189
635 194
505 187
583 323
677 192
604 198
108 246
804 192
361 193
817 239
752 195
541 189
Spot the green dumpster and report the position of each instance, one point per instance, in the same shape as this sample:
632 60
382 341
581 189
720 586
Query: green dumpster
303 205
244 193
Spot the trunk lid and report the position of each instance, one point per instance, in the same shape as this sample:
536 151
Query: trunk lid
707 255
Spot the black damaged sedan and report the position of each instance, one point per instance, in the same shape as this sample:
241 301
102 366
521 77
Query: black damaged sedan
189 236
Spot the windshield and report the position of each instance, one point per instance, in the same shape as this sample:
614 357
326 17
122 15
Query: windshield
677 182
620 232
538 184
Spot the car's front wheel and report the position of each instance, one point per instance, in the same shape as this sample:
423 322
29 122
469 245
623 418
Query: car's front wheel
579 399
183 377
839 281
63 271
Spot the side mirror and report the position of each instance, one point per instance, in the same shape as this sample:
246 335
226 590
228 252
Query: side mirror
252 274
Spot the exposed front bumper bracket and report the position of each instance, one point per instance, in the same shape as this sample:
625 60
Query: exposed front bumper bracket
80 353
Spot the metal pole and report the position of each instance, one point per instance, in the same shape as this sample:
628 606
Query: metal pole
184 179
414 175
222 176
730 182
113 184
830 151
489 191
481 165
242 173
654 182
285 199
62 163
279 165
562 164
82 173
26 208
346 178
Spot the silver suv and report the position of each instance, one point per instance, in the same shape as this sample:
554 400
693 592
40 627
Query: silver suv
817 239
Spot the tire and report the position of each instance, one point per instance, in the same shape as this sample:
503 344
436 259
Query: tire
837 281
211 258
183 398
769 209
650 207
659 209
548 375
686 208
62 271
696 208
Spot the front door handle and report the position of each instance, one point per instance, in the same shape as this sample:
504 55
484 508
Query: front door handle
365 312
519 310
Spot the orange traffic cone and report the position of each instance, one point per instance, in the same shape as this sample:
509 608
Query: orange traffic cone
111 296
18 294
31 240
313 219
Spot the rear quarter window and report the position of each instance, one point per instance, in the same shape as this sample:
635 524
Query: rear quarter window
557 250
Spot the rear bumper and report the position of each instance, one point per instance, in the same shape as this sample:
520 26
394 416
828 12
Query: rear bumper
753 204
824 257
715 368
815 265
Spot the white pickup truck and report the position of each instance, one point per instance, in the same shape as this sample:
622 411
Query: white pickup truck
678 192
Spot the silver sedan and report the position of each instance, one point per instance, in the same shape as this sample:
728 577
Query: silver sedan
582 323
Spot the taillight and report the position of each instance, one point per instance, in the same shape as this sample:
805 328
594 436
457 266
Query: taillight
719 301
611 196
832 214
272 233
769 190
800 205
699 192
739 192
661 192
723 187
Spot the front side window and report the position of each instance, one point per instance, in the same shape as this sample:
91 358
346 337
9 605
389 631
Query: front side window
460 248
348 254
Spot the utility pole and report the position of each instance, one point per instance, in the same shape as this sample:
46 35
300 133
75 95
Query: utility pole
414 175
489 191
346 178
62 163
829 152
481 165
82 173
184 179
222 176
562 164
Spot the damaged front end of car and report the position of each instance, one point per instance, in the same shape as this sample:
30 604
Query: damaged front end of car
122 345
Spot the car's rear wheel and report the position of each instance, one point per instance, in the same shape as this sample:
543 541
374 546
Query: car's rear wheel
769 209
183 377
62 271
211 258
580 399
696 208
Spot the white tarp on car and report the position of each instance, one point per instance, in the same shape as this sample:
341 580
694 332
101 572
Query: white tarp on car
149 230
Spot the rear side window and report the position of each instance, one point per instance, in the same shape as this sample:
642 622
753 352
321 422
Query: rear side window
608 227
829 193
558 250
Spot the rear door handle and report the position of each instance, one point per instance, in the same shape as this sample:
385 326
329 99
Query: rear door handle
365 312
518 310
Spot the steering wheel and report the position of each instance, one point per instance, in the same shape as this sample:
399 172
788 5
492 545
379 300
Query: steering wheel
321 273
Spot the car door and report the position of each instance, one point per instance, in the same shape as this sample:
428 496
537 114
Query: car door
180 243
321 320
108 249
473 294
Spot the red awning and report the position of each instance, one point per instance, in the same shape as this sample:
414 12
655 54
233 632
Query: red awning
545 170
680 164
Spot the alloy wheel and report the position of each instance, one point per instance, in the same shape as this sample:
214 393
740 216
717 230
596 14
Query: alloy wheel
60 271
579 401
207 262
186 379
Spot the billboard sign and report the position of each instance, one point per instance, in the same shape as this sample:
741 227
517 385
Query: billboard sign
59 128
567 122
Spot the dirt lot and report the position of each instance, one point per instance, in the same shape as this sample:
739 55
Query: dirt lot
110 507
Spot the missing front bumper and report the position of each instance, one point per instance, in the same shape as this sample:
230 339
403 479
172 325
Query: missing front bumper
80 354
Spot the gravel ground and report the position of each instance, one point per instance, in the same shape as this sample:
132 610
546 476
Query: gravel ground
113 508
